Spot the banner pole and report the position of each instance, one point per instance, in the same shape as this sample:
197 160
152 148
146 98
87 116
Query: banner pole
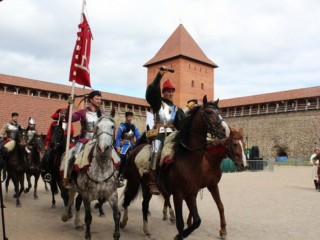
65 174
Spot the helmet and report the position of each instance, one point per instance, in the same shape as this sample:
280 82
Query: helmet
32 121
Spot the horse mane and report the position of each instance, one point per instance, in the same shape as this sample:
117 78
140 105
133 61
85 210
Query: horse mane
185 125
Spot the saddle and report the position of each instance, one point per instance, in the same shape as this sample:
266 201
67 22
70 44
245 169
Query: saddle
142 159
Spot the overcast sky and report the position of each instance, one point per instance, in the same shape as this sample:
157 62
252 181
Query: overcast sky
260 46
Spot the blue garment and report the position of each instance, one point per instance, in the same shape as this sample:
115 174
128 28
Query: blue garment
126 144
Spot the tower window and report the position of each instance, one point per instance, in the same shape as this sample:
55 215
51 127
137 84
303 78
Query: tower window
202 86
192 83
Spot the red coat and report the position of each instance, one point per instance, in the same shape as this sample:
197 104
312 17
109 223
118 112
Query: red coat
49 133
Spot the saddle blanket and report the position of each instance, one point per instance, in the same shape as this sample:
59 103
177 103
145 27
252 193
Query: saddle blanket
84 158
142 159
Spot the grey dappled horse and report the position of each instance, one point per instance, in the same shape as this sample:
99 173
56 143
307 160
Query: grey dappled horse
101 178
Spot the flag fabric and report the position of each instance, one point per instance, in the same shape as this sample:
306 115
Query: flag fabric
79 71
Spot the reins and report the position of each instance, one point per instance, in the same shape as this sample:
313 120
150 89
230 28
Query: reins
212 129
95 145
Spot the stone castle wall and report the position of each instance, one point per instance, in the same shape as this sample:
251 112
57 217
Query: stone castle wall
296 133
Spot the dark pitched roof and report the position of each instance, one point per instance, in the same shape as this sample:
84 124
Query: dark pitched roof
180 44
271 97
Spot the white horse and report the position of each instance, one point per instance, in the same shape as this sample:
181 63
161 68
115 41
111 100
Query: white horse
100 181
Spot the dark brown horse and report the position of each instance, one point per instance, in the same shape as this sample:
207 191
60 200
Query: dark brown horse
16 166
211 122
191 169
135 182
34 163
216 152
52 161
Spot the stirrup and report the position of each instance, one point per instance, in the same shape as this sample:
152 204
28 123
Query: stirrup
47 177
153 189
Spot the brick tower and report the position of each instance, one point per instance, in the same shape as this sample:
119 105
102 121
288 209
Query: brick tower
194 71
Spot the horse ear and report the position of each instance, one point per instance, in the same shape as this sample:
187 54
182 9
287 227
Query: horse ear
217 102
204 100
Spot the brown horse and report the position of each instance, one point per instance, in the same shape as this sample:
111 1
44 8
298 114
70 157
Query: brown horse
233 148
191 168
212 123
16 166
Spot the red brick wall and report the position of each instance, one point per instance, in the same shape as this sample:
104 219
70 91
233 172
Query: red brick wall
39 108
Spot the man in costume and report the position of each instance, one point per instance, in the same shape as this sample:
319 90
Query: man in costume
126 137
9 132
31 131
316 162
191 104
59 116
167 118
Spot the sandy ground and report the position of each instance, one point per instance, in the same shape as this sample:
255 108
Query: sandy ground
258 205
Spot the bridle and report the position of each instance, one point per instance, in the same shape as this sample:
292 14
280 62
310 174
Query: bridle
228 146
212 128
96 134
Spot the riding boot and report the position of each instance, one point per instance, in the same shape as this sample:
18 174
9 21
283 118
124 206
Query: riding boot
155 157
152 182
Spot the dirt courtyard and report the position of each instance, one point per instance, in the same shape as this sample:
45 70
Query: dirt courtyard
281 204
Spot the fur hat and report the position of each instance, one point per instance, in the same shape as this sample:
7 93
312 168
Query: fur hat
192 102
167 85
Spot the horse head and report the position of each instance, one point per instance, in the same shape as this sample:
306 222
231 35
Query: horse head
104 135
37 142
217 127
235 145
21 137
57 136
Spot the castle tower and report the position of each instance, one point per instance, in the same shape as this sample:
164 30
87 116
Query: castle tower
194 71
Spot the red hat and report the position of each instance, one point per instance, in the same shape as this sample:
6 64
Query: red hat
55 115
167 85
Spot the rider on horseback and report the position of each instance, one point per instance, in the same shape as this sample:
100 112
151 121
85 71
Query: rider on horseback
127 134
167 118
88 118
9 132
58 116
31 131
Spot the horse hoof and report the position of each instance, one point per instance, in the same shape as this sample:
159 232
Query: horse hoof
65 218
15 195
223 234
18 205
122 225
36 197
79 227
53 206
102 215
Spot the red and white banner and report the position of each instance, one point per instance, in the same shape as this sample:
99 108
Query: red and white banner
79 71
